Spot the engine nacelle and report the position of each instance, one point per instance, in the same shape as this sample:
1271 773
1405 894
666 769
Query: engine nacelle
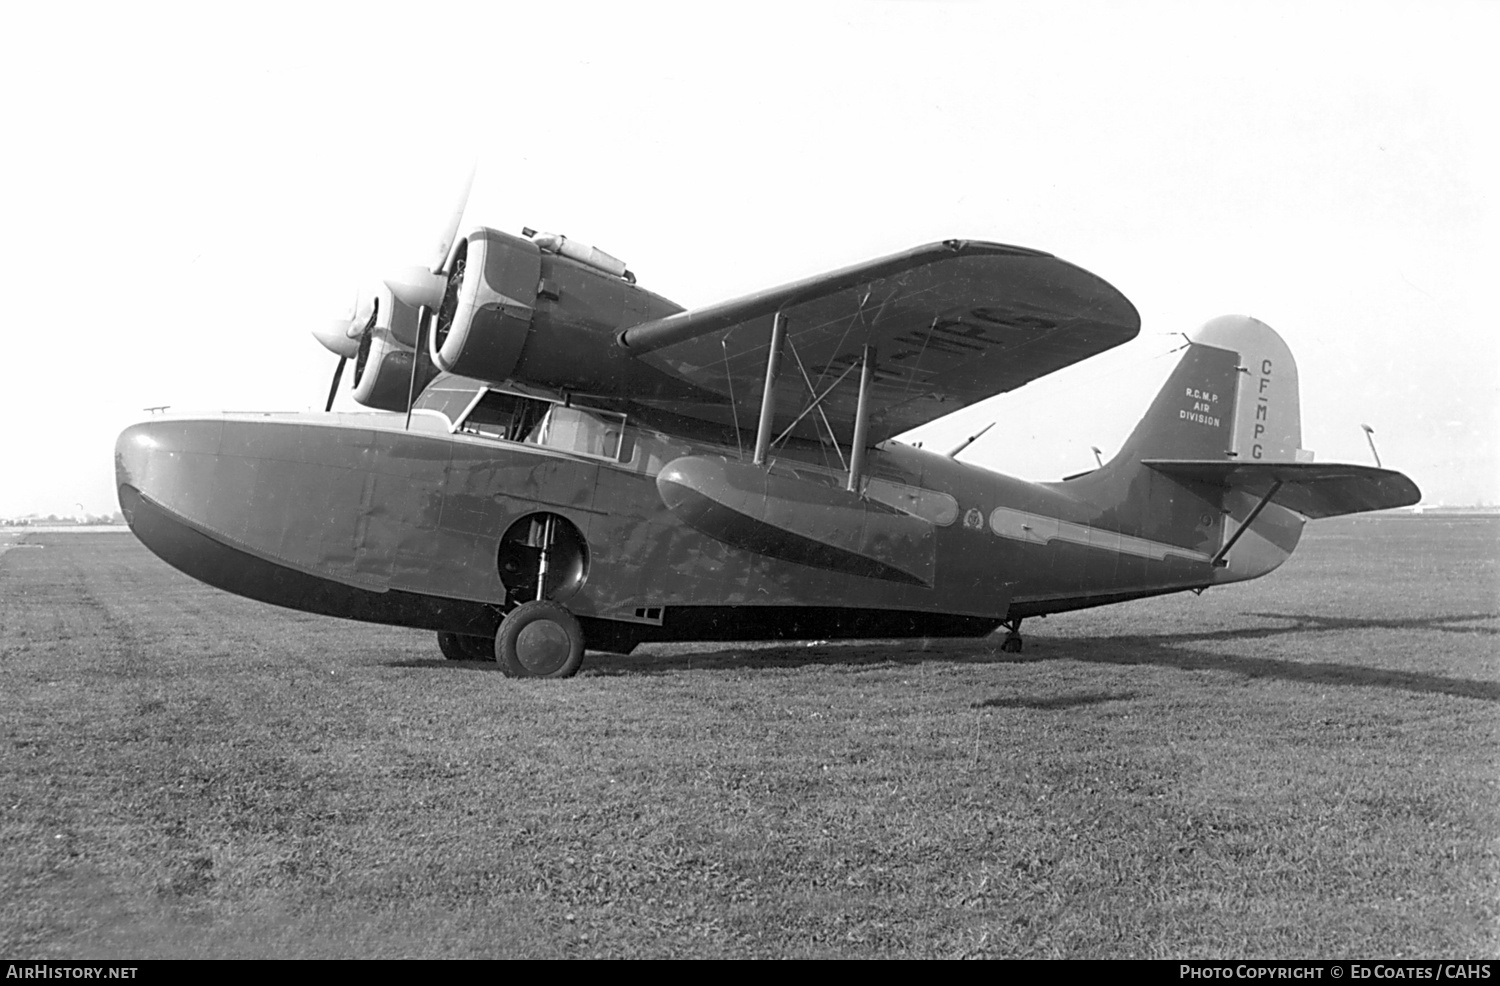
492 291
525 311
383 365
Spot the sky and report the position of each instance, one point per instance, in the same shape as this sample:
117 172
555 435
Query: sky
189 190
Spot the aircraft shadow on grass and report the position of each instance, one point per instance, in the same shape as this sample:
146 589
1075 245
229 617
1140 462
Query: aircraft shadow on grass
1052 703
1305 622
1172 650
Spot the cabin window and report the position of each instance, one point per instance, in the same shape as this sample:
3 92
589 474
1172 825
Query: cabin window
588 432
936 508
532 421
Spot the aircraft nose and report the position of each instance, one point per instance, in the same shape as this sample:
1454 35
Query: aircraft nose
149 459
132 451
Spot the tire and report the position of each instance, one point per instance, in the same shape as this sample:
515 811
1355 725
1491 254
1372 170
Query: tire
539 639
462 647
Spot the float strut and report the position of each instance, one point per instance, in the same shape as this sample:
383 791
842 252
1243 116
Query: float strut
768 396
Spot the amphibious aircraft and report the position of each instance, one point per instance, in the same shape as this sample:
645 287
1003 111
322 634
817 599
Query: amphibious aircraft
560 459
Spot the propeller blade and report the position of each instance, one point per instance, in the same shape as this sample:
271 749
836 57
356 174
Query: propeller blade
450 232
416 361
338 374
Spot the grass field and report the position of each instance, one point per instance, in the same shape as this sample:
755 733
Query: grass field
1300 766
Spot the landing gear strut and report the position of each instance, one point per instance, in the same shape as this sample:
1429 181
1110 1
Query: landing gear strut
1012 642
543 560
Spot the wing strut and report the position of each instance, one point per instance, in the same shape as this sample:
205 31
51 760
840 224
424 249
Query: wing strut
861 413
768 396
861 420
1218 559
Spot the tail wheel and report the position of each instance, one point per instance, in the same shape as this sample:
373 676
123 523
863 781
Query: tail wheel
539 639
1012 642
463 647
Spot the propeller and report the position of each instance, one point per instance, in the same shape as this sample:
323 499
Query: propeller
333 391
343 339
416 287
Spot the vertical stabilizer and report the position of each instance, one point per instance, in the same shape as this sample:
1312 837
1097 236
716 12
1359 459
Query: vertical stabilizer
1268 416
1192 416
1231 399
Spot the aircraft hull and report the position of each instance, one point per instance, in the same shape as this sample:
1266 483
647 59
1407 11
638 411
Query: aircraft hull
191 549
353 516
197 553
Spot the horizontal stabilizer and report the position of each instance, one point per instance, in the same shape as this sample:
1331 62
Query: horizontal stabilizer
1312 489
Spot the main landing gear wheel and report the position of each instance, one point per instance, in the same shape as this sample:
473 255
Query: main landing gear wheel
462 647
539 639
1012 642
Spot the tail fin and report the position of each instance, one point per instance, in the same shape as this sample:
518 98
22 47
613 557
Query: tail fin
1233 397
1217 463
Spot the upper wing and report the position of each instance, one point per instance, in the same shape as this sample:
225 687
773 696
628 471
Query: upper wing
1313 489
952 323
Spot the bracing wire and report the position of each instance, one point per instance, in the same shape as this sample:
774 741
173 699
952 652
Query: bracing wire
734 407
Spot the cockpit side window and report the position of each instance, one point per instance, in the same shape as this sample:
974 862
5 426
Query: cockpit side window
513 418
509 417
